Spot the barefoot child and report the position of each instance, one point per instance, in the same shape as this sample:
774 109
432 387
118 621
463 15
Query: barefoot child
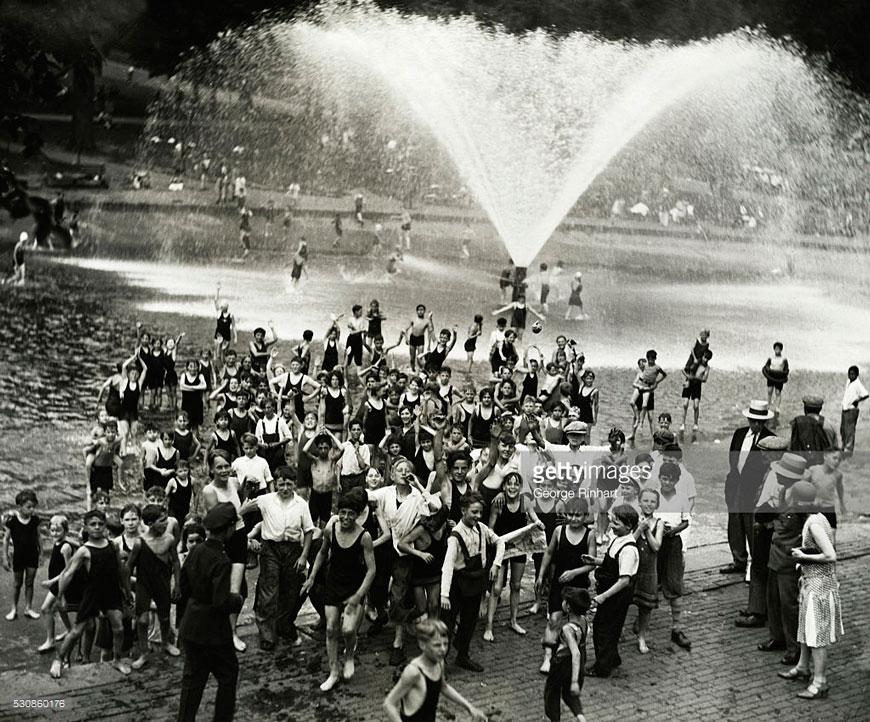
22 530
775 370
415 696
61 553
106 588
565 678
648 536
347 581
470 345
568 544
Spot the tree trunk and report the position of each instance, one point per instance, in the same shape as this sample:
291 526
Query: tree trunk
83 91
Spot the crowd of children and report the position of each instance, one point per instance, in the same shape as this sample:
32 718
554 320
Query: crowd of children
377 493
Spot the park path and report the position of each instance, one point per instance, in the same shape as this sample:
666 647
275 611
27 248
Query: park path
722 678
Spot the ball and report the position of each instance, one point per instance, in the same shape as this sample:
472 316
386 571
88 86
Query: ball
537 327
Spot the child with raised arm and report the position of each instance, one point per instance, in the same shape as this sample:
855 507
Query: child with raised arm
416 694
416 333
22 530
105 590
519 314
155 559
565 678
225 329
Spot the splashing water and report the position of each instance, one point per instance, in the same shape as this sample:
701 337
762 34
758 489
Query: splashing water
528 122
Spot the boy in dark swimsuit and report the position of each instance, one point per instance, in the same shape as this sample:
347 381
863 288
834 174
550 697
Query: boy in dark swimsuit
106 590
422 681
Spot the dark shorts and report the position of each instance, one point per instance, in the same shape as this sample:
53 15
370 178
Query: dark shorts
102 478
774 385
670 567
651 405
692 390
831 516
156 591
470 345
414 340
237 547
320 505
352 481
355 348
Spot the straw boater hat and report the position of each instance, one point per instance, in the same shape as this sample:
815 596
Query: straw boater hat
773 443
758 411
791 466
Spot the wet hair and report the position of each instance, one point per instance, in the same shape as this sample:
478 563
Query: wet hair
152 513
354 499
221 415
307 335
651 354
230 352
151 426
578 600
501 322
285 472
855 369
651 490
155 492
94 514
198 529
455 456
216 454
627 515
322 439
170 433
664 415
62 520
672 471
707 355
777 345
356 307
446 370
22 497
485 391
131 507
472 497
429 629
587 373
478 318
544 266
577 505
259 329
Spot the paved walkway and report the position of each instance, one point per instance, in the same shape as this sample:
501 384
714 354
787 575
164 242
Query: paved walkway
722 678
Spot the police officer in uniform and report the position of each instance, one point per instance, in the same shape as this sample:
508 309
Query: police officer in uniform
205 629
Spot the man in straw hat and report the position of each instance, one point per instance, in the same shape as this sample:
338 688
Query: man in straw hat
745 474
783 578
205 629
755 613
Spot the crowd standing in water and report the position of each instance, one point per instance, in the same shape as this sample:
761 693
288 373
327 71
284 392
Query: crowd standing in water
405 502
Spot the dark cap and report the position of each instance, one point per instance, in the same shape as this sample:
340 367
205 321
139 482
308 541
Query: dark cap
220 516
813 402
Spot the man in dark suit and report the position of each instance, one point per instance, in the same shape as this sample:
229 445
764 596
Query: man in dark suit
745 476
205 629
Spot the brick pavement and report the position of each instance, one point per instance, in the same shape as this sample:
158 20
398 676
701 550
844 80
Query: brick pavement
722 678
